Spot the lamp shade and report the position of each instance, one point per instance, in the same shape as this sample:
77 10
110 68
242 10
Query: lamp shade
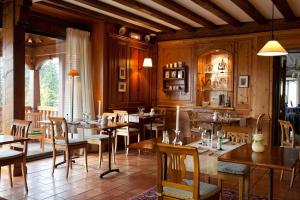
147 62
272 48
73 72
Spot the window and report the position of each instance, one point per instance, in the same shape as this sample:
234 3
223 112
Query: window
291 93
49 83
28 82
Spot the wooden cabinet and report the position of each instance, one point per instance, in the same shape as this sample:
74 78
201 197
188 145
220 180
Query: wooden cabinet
215 79
175 79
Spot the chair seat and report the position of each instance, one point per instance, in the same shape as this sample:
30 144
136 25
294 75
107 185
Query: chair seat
196 130
155 126
97 137
35 133
233 168
205 190
6 154
124 129
71 142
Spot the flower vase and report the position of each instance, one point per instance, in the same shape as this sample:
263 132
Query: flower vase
258 143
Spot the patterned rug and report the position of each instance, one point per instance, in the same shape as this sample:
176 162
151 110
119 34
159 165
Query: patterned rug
150 194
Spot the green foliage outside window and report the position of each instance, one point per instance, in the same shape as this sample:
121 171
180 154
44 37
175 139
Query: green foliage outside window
49 81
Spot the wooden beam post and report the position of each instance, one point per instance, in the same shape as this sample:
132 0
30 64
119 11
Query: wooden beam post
13 67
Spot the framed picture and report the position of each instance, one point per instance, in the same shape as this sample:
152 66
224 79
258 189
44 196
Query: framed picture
122 73
122 87
243 81
173 74
167 74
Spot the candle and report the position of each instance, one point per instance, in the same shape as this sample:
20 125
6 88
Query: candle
99 108
177 118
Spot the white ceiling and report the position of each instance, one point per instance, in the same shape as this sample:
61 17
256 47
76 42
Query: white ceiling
263 6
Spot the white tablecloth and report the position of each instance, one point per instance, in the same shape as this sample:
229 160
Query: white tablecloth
208 157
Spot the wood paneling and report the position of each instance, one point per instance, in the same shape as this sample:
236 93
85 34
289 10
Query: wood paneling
249 102
129 53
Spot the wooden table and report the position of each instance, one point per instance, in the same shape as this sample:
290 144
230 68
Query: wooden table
109 128
142 120
213 123
272 158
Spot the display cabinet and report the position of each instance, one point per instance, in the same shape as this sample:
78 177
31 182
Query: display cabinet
175 77
215 79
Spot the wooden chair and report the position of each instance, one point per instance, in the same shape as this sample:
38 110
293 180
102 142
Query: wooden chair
127 132
18 151
194 122
233 171
258 128
287 140
35 130
159 123
175 184
102 139
62 142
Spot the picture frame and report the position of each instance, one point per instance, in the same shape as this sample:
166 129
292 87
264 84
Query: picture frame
167 74
173 74
122 73
243 81
121 86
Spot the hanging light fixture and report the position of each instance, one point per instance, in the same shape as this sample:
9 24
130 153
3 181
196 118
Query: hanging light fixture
272 47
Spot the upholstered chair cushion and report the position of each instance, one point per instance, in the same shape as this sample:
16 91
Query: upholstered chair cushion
233 168
206 190
71 142
35 132
98 137
6 154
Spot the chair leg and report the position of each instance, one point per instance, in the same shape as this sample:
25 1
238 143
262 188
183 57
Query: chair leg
85 159
156 133
127 138
68 162
0 173
10 176
100 155
43 143
24 172
281 175
292 178
116 143
113 151
220 185
247 183
54 160
139 138
241 187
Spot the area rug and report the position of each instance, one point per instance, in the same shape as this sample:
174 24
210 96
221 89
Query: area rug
150 194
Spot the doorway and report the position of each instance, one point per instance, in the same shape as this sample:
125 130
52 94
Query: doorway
286 93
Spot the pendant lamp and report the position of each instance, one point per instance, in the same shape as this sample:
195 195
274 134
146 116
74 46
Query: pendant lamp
272 47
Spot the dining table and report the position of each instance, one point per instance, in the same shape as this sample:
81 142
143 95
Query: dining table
273 157
109 128
141 120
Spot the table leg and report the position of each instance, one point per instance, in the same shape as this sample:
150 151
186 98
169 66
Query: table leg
109 157
270 183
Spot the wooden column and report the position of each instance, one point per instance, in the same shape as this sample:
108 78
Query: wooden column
62 75
36 90
14 66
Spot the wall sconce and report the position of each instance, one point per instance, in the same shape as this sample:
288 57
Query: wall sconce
147 62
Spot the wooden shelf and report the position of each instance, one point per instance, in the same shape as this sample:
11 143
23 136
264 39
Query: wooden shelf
173 79
215 89
177 68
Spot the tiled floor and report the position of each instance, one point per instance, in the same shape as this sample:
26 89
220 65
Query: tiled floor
137 173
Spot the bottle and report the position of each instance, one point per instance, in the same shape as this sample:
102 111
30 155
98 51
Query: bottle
219 141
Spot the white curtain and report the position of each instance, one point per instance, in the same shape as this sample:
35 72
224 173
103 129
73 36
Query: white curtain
78 56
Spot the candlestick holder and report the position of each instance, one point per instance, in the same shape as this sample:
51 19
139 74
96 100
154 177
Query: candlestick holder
99 117
177 139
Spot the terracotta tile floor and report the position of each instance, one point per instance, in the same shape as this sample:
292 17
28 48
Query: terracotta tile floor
137 173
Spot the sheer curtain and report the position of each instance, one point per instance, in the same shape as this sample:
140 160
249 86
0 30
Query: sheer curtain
78 56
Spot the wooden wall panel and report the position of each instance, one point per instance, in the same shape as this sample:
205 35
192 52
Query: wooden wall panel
170 54
129 53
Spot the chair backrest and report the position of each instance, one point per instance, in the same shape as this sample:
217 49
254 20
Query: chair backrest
59 129
48 112
238 134
287 133
162 115
112 116
176 171
20 128
35 118
122 116
28 109
259 123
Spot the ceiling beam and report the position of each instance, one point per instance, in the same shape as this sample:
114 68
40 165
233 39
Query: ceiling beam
71 8
186 13
117 11
225 30
213 8
248 8
285 9
155 13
